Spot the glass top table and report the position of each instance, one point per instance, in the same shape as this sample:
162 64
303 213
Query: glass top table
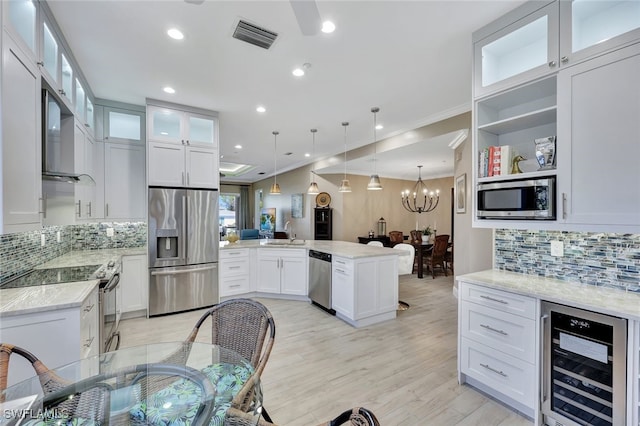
153 384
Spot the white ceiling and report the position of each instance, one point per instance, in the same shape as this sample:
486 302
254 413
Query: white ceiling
412 59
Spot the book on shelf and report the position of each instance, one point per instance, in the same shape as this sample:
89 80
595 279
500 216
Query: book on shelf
495 161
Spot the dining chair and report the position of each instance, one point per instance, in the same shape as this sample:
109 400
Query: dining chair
246 327
396 237
436 257
448 258
405 263
83 405
357 416
375 243
249 234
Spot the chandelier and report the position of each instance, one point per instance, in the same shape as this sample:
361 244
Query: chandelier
420 200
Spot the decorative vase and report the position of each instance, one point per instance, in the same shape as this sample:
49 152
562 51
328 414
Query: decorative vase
425 238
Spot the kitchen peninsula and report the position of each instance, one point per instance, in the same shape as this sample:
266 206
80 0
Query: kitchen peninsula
364 279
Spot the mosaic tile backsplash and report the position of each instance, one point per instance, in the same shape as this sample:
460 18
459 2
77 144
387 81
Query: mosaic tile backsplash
602 259
20 252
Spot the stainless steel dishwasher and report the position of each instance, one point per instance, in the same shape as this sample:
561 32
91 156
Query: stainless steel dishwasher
320 280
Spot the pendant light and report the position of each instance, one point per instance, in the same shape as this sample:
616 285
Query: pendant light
374 182
275 188
345 186
313 186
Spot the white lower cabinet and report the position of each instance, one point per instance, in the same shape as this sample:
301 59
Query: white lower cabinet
56 337
282 271
134 284
497 348
234 272
364 291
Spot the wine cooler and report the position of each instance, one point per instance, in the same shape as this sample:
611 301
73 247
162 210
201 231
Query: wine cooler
584 377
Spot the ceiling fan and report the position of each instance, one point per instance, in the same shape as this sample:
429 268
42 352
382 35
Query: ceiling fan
307 15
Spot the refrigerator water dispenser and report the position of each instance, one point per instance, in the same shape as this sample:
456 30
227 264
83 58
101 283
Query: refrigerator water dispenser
167 243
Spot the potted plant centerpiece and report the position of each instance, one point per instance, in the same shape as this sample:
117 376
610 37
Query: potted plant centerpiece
426 234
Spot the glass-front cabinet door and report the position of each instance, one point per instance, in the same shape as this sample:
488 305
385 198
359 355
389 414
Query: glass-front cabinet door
519 52
49 57
201 130
90 117
588 27
165 124
80 101
21 19
123 125
66 78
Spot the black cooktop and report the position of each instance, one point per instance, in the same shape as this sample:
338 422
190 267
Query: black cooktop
53 276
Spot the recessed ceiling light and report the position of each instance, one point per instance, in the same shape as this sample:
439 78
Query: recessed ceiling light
261 109
328 27
379 127
306 154
175 34
170 90
298 72
238 147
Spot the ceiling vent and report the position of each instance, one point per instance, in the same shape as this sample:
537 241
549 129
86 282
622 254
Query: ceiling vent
255 35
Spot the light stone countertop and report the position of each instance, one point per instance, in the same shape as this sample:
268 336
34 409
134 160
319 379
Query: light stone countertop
336 248
611 301
19 301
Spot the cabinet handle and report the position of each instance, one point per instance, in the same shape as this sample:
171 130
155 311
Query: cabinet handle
188 143
564 205
43 207
89 209
88 308
564 59
106 210
494 300
187 178
183 178
234 286
495 330
89 342
340 262
340 270
182 141
79 208
545 343
552 64
41 63
234 267
500 372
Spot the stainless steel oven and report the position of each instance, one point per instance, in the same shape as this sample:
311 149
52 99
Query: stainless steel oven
110 311
584 367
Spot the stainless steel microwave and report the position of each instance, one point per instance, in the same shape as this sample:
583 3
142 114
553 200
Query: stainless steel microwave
518 199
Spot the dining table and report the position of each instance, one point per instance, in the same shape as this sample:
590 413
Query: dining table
162 384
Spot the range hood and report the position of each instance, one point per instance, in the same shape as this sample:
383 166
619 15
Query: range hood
58 145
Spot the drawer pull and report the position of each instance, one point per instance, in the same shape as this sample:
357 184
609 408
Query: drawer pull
494 300
89 342
88 308
234 286
494 370
234 267
495 330
341 263
341 271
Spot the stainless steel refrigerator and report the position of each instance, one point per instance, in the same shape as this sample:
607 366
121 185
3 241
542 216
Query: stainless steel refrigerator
183 249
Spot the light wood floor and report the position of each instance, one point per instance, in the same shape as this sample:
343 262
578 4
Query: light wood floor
403 370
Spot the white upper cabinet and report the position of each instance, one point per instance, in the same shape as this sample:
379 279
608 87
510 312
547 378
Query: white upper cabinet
590 27
21 21
21 146
182 127
183 146
50 54
66 79
516 48
537 39
599 107
123 125
79 100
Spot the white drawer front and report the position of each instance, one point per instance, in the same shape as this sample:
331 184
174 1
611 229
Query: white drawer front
502 300
234 285
506 332
234 253
231 268
508 375
343 265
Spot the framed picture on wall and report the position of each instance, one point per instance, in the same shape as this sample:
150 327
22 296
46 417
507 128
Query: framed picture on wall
461 193
297 205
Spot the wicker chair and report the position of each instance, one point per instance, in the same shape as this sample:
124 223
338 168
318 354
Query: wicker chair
356 416
395 237
83 406
246 327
